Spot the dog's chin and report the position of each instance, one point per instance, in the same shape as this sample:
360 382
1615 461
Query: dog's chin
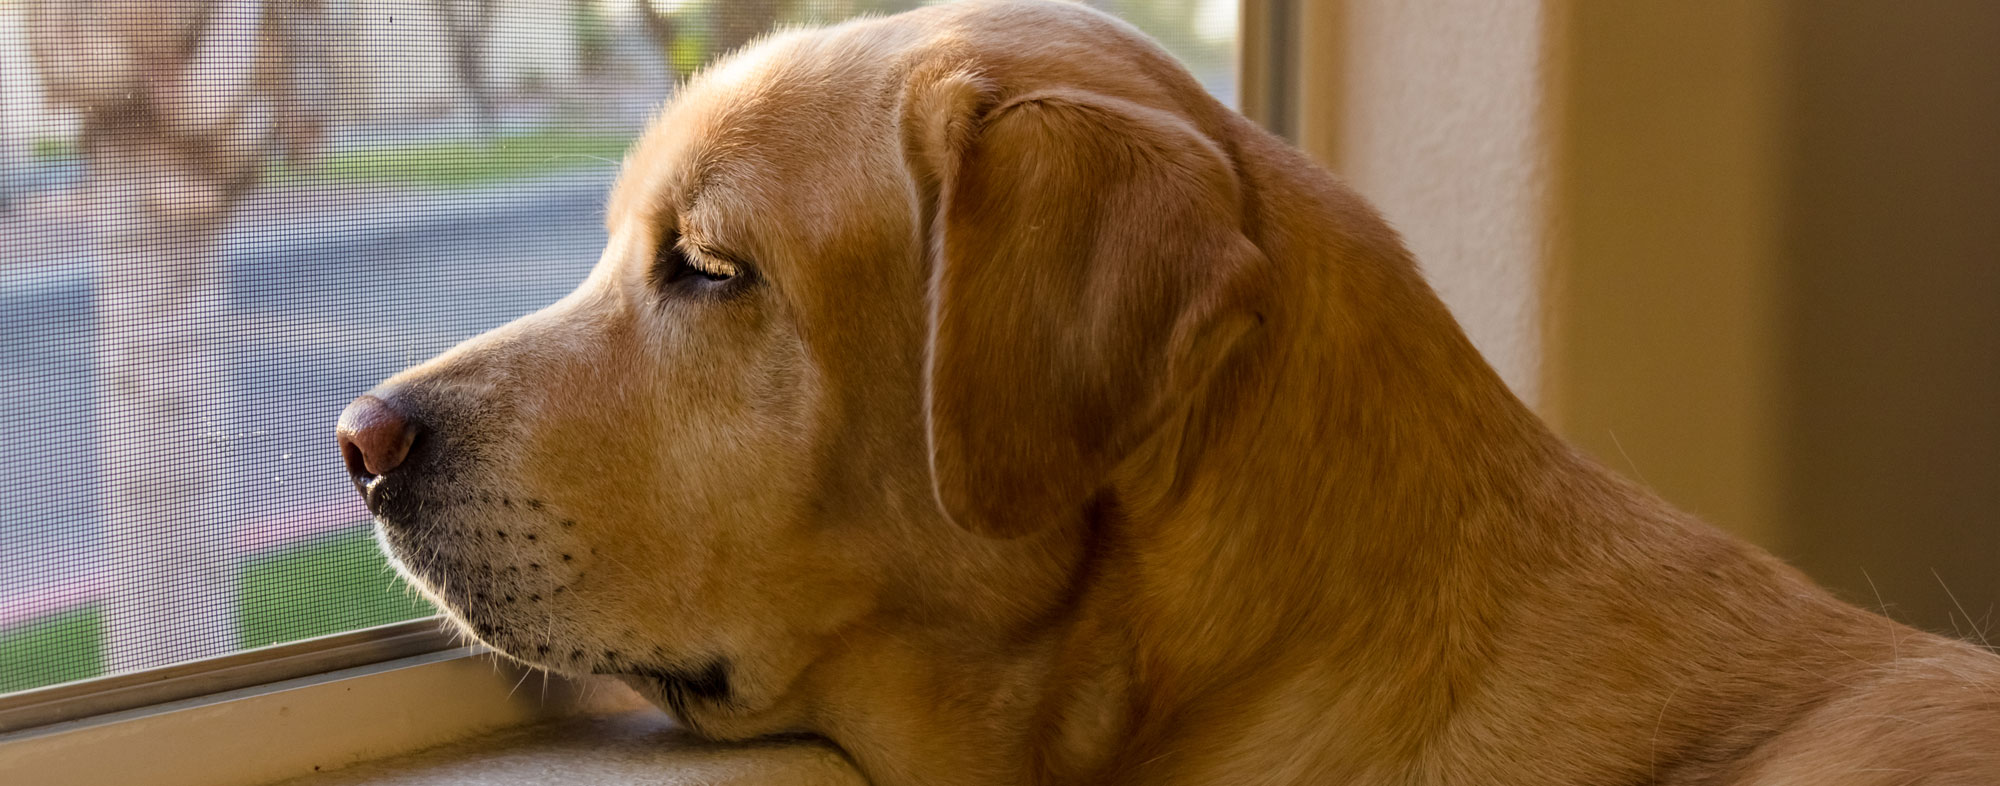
700 691
420 572
506 574
484 603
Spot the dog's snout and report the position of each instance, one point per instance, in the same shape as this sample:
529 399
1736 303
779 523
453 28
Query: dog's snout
375 437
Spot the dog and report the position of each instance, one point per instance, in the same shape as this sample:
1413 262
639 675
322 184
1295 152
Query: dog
969 388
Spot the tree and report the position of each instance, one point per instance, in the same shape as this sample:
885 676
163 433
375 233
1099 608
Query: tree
182 102
693 34
467 26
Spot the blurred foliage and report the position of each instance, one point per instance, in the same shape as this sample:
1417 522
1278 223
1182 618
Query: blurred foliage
694 32
49 148
593 34
1185 27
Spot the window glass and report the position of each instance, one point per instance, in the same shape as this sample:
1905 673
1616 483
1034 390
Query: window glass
221 220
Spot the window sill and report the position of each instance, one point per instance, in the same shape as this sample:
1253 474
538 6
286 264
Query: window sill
457 716
266 733
634 746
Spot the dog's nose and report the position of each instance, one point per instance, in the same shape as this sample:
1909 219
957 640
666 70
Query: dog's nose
374 437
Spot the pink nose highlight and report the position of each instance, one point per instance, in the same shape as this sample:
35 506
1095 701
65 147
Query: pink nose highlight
374 437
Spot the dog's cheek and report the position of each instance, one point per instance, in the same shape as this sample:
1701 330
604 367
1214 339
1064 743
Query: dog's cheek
677 451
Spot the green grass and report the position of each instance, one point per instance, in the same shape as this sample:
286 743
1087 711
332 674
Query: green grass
57 648
444 163
327 585
459 162
334 583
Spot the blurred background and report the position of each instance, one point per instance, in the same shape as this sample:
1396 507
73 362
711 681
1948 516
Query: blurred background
1744 251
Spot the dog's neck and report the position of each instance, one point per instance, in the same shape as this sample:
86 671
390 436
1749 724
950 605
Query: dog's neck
1372 458
1353 520
1358 414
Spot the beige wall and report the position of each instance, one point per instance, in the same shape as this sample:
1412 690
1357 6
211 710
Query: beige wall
1745 251
1434 111
1663 361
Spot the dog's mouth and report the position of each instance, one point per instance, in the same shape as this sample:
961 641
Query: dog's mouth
518 609
504 570
393 501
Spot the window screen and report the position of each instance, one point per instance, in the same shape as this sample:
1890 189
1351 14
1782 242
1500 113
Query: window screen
221 220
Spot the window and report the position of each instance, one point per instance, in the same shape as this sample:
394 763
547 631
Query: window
220 222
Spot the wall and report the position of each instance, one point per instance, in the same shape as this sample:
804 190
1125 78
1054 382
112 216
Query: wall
1434 111
1776 286
1892 305
1744 251
1663 358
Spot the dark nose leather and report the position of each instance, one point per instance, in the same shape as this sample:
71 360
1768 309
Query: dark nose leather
374 438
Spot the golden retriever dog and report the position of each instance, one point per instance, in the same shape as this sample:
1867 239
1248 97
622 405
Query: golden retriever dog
969 388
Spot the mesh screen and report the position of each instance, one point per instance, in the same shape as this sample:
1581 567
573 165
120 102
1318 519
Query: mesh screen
221 220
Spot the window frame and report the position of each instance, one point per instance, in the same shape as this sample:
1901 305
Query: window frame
30 709
271 732
360 690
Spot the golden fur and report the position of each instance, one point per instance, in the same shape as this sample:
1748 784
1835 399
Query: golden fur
1075 431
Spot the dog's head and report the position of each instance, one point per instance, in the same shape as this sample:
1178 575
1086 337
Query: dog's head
884 309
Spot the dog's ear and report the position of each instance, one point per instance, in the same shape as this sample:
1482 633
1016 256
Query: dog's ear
1082 250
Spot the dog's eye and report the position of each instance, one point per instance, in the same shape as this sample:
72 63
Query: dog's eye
679 268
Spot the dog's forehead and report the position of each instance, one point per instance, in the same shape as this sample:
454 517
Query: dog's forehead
749 131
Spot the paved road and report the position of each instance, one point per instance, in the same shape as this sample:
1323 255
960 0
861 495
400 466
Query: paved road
336 289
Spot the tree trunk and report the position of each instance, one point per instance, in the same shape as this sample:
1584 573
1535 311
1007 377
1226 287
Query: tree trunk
182 101
164 350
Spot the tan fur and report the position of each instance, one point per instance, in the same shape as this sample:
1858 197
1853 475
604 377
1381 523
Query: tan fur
1079 432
